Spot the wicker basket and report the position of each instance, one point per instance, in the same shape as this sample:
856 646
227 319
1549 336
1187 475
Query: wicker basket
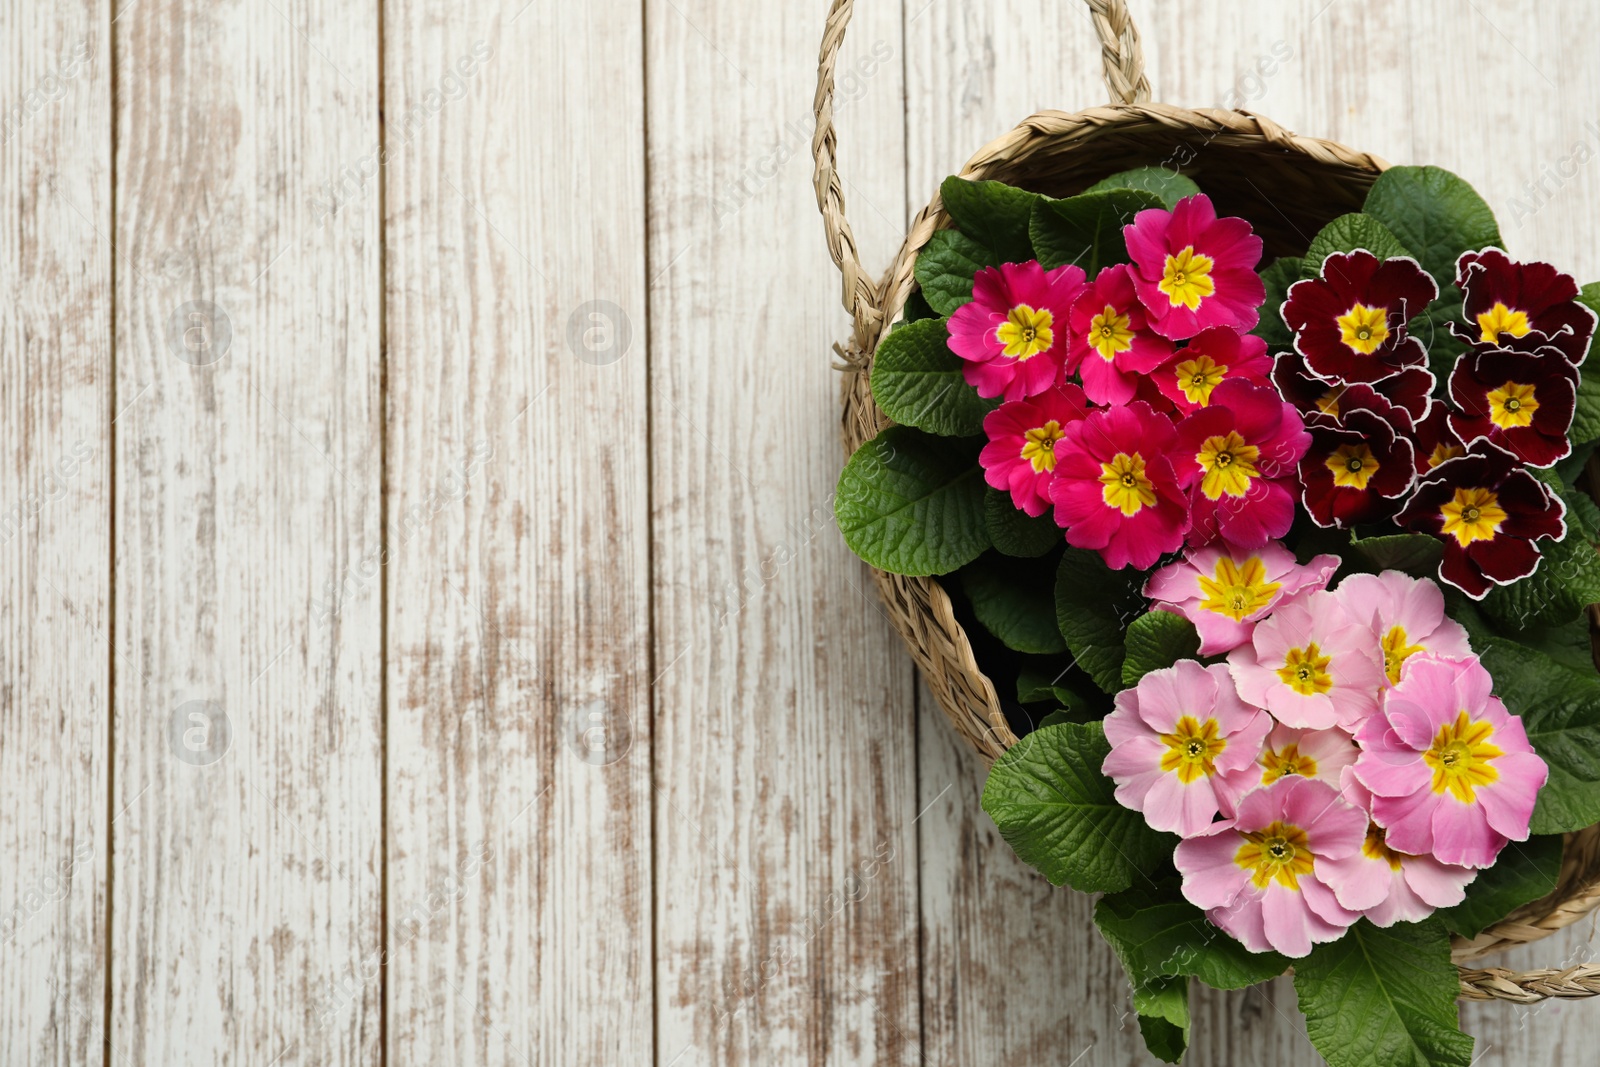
1238 158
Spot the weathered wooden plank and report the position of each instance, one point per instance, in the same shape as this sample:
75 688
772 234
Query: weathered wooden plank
785 846
55 558
247 866
518 524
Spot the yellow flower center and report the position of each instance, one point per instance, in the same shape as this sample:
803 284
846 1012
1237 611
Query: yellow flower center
1352 465
1396 652
1026 332
1305 670
1187 278
1127 487
1441 453
1328 403
1039 446
1286 761
1198 376
1472 515
1280 851
1192 748
1502 320
1460 757
1110 333
1512 405
1376 848
1229 464
1364 328
1237 591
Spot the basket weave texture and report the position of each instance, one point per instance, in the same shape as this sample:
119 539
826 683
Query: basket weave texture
1289 187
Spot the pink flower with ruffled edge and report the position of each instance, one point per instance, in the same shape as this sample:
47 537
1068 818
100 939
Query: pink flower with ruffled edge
1312 664
1225 590
1013 333
1114 489
1451 771
1194 269
1259 875
1319 754
1111 345
1020 457
1407 616
1238 459
1210 358
1391 887
1183 746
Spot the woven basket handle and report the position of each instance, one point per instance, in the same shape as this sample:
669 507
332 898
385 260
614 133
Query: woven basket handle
1124 71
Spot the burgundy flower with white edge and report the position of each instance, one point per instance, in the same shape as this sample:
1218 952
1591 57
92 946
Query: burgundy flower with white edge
1436 442
1408 388
1359 465
1504 300
1236 458
1020 457
1520 400
1488 510
1211 357
1350 321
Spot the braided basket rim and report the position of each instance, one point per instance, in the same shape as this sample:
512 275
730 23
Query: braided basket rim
923 614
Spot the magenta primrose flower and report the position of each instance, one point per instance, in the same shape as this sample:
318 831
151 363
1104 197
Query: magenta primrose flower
1195 270
1225 590
1020 457
1114 489
1183 746
1391 887
1111 342
1211 357
1238 459
1260 876
1407 617
1451 771
1312 664
1013 333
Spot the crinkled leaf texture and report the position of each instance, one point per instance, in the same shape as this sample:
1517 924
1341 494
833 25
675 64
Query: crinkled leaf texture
1057 811
911 503
918 381
1384 998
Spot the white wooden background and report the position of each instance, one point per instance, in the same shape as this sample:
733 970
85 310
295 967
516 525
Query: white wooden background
439 651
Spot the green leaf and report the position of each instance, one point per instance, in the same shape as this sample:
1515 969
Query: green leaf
913 504
1346 234
1156 640
1416 554
1163 1010
1567 581
992 213
1586 419
1560 709
1087 229
918 381
1435 214
1061 687
1384 998
1526 871
1283 273
1015 532
946 266
1157 933
1011 597
1169 186
1058 812
1094 604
